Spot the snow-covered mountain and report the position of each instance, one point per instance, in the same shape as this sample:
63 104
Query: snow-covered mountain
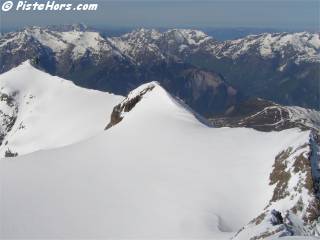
281 67
161 46
60 53
300 47
39 111
140 46
155 172
75 43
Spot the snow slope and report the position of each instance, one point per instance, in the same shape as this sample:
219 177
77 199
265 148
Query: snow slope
159 173
48 111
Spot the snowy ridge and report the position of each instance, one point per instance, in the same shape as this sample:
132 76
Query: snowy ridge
291 178
294 198
16 41
80 42
155 91
302 46
145 45
193 37
90 60
299 47
171 43
159 173
39 111
139 45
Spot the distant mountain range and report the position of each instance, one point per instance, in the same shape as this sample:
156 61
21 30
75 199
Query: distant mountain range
210 76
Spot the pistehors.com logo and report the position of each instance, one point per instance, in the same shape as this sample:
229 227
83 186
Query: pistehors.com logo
47 6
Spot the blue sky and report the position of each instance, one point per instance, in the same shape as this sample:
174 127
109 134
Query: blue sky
281 14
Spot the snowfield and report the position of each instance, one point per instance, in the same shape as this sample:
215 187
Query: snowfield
159 173
49 111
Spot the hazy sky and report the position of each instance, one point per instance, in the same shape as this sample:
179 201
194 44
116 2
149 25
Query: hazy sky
289 14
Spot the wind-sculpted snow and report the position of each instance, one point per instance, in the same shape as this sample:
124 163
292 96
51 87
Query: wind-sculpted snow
40 111
158 173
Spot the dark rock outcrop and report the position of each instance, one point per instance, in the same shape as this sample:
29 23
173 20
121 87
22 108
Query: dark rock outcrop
126 106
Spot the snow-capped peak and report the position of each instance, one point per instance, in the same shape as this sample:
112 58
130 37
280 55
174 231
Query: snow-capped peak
189 36
145 45
78 40
26 77
301 46
150 100
72 40
127 180
143 34
149 45
40 111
